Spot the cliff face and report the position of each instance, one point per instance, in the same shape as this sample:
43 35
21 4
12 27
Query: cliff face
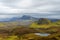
43 21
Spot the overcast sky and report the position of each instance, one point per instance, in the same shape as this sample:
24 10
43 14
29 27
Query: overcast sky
44 8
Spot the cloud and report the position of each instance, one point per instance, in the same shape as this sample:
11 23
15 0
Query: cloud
44 15
7 16
43 7
32 6
18 3
6 9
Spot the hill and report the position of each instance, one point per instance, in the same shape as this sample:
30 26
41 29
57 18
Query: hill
44 23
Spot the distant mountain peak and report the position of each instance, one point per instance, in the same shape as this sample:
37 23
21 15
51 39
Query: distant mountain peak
26 17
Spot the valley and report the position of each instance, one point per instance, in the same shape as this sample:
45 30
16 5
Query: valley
30 29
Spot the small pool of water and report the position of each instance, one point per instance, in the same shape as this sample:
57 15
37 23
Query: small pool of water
42 34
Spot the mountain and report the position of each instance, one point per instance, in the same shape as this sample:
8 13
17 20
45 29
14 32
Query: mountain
54 20
24 17
43 21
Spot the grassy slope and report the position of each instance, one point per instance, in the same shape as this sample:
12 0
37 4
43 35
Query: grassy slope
35 25
32 36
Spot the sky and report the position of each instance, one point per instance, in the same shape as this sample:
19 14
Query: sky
36 8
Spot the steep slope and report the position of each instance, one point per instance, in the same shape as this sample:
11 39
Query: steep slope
42 23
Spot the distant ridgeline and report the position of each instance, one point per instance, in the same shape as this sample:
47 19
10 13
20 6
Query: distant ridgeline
27 17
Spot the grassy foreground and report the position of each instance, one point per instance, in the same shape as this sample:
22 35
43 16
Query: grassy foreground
13 31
